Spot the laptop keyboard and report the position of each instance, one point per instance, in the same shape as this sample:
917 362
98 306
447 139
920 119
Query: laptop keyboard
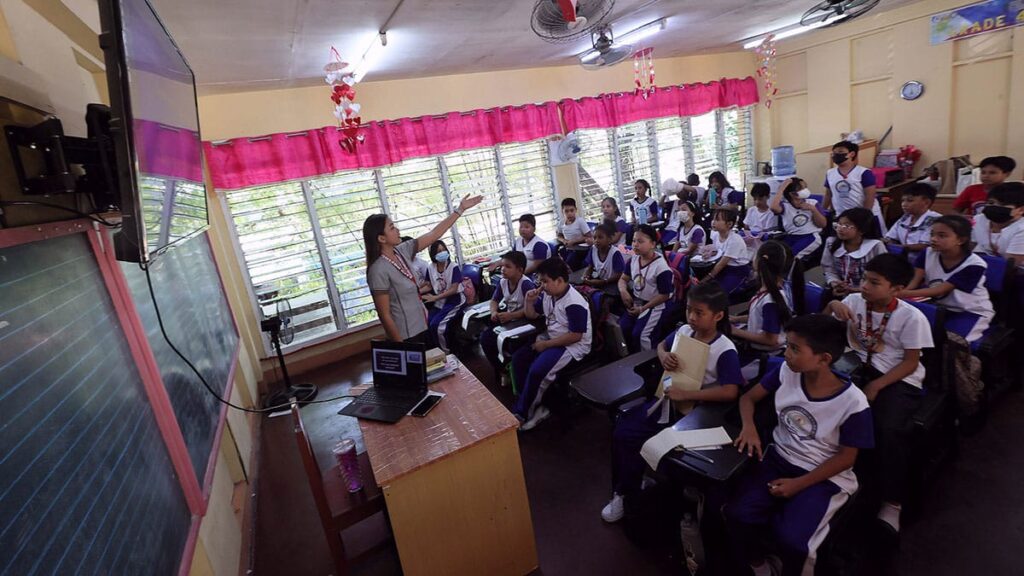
394 398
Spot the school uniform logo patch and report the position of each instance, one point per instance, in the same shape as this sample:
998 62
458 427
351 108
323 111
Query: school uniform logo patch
799 422
800 220
842 187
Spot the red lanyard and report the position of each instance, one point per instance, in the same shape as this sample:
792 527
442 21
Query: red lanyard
872 338
401 266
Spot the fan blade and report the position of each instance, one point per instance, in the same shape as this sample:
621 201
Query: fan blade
568 9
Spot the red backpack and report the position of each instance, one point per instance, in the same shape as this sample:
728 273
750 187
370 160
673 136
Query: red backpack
679 282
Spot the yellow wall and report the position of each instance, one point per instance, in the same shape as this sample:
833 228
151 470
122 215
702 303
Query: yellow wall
58 45
835 80
271 111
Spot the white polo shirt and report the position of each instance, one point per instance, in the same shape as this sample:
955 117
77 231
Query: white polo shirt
907 329
570 313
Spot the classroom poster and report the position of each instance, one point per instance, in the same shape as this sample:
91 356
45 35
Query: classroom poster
976 19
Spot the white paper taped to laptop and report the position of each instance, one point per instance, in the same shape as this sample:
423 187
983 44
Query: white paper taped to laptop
475 311
504 335
669 439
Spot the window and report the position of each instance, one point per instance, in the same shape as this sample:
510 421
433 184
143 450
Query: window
637 158
671 146
528 186
482 232
342 203
303 241
739 145
704 140
597 171
275 234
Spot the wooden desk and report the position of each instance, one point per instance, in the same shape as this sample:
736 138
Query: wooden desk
454 486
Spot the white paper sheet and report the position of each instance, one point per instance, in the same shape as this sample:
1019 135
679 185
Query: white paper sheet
669 439
520 331
475 311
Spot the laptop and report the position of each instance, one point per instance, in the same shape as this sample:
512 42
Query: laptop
399 382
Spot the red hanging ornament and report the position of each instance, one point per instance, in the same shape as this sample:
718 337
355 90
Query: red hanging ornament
643 72
338 75
766 68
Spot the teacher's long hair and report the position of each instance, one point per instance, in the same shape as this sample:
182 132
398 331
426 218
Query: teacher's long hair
373 227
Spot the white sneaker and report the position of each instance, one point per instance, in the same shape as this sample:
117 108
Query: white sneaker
539 415
505 380
614 510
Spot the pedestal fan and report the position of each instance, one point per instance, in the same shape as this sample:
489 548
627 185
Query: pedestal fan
281 331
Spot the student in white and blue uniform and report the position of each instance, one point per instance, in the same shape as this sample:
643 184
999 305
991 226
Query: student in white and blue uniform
533 246
801 220
447 298
610 213
643 207
773 305
690 235
948 272
849 185
707 317
913 230
507 302
566 340
643 322
806 473
733 266
602 271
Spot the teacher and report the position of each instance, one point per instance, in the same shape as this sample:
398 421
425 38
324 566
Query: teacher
393 285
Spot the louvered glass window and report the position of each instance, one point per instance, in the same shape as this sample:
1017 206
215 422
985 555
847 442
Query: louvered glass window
415 195
483 231
275 234
671 146
704 141
739 144
597 171
188 212
635 143
342 203
527 176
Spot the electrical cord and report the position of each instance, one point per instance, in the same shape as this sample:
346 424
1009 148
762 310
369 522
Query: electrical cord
163 331
93 217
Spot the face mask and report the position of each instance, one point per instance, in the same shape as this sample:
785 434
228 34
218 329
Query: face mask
804 194
838 158
997 214
684 216
441 257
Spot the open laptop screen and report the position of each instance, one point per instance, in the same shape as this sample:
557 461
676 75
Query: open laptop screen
398 363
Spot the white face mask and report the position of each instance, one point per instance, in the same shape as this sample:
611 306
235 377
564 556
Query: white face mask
684 216
803 194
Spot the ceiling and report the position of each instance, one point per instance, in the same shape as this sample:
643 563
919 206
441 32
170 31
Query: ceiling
260 44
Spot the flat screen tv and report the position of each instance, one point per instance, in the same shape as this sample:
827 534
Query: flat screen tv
155 130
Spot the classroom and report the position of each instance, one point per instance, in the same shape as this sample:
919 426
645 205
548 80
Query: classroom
547 287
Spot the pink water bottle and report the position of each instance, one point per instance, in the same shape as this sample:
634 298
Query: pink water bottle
348 464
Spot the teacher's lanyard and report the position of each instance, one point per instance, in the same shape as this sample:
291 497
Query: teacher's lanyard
871 337
401 266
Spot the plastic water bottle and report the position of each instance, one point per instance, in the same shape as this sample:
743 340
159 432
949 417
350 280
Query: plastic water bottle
783 161
348 464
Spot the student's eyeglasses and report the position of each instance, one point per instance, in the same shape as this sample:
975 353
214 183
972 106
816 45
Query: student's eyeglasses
838 226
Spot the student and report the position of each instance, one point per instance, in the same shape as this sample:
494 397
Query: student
671 195
534 247
888 335
447 297
506 304
848 185
948 272
772 307
610 211
913 230
721 194
994 171
566 340
733 266
643 322
707 308
573 231
854 244
694 191
806 473
801 220
604 264
643 207
760 218
999 229
690 235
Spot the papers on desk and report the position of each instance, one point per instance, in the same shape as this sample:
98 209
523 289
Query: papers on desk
669 439
480 310
506 334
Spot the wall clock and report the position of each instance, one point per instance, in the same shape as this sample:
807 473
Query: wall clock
912 90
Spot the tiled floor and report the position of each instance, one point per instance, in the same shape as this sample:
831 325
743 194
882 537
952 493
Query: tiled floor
972 520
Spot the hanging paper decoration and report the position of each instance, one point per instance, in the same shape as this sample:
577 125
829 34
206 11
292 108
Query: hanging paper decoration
643 72
766 68
338 75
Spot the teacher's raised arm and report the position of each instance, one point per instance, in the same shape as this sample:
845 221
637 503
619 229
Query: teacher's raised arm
424 242
390 276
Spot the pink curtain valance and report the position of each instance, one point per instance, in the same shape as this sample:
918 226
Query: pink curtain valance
167 151
244 162
611 110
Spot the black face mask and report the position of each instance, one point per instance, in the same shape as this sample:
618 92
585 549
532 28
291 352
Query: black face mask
997 214
838 158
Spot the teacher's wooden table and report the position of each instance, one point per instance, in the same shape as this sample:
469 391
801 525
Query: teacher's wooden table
453 483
